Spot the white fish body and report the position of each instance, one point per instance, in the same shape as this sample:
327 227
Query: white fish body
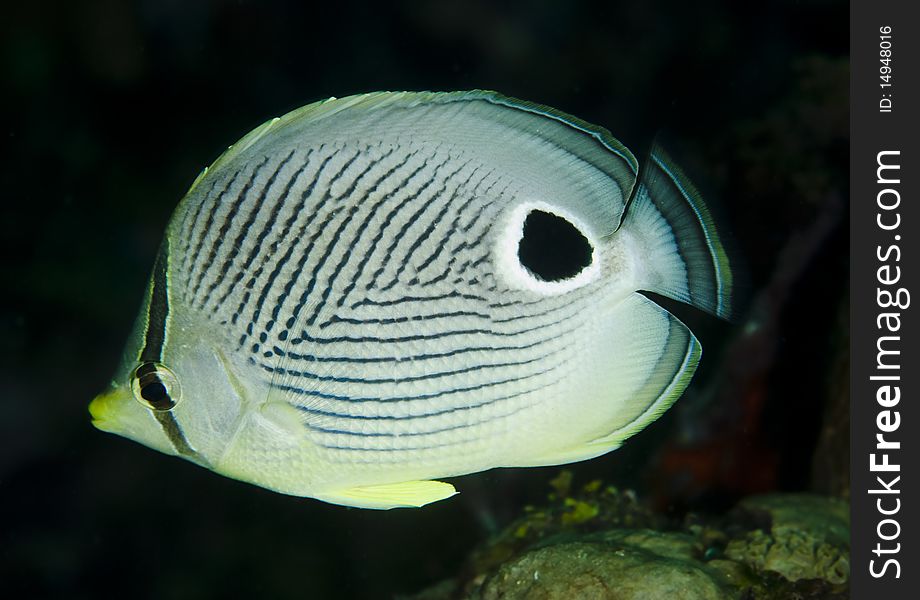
339 308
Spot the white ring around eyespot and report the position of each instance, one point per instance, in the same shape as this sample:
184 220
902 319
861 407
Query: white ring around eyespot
508 263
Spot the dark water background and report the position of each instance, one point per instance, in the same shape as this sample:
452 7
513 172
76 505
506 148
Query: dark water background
111 110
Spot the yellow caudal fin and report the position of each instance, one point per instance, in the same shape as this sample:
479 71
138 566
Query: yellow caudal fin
408 494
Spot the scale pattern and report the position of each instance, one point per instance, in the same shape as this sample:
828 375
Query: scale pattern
358 282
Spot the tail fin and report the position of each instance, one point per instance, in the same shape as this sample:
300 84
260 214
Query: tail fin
684 258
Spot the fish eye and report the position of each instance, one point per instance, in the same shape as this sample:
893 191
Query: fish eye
155 386
552 248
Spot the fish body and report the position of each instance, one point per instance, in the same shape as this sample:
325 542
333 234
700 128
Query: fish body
373 292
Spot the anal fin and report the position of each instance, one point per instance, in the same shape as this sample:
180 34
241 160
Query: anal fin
408 494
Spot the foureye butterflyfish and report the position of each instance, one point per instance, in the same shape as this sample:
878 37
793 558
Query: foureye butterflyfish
374 292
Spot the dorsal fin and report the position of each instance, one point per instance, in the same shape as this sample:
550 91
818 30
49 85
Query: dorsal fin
684 257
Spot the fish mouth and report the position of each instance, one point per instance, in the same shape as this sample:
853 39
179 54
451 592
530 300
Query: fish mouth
102 407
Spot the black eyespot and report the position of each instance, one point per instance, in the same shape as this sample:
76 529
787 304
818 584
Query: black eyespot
552 248
155 386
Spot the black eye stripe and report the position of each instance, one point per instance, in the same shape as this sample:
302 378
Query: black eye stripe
158 389
152 391
152 388
168 422
145 370
158 309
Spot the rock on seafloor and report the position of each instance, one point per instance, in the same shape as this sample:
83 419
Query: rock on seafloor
809 538
615 564
601 543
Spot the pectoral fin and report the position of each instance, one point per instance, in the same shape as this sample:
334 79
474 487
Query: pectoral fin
408 494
